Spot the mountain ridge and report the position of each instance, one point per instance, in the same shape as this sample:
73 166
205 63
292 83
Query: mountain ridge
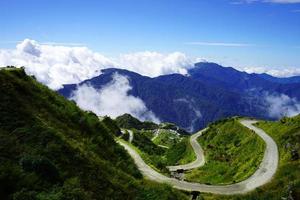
210 92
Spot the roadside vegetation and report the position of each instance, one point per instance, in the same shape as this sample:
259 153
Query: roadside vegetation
160 157
286 182
232 154
52 150
167 138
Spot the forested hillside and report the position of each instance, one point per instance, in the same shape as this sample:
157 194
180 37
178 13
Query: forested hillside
208 93
50 149
286 182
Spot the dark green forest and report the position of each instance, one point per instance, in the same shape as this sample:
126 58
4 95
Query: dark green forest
50 149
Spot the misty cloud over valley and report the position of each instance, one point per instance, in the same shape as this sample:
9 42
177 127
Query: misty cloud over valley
59 65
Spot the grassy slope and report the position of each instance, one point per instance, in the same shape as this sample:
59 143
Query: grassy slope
128 122
158 157
286 133
181 153
166 138
50 149
232 154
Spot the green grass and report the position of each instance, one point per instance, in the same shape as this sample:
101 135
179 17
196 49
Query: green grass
129 122
167 138
232 154
148 133
180 153
159 158
286 181
50 149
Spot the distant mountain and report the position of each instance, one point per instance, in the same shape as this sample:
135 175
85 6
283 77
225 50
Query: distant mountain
228 77
294 79
234 80
210 92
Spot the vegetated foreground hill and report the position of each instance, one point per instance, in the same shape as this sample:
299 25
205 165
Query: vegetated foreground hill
286 182
50 149
160 145
129 122
210 92
232 153
175 149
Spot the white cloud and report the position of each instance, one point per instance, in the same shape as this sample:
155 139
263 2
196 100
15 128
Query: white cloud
197 113
280 105
154 64
112 100
55 65
285 72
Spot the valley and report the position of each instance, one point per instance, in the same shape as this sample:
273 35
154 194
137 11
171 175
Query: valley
232 158
261 176
209 92
150 100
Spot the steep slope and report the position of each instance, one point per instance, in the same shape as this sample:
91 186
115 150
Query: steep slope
232 153
210 92
293 79
263 175
286 182
128 122
229 77
160 156
159 145
50 149
243 82
179 99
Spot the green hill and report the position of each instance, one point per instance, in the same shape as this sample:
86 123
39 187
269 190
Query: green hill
127 121
50 149
178 151
167 138
286 182
232 153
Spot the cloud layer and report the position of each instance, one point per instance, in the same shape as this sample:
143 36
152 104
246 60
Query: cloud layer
154 64
280 105
285 72
55 65
112 100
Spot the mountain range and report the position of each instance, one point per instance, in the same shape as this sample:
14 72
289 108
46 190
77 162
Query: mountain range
207 93
51 149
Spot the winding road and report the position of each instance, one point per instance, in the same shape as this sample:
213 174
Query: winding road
130 135
262 175
200 161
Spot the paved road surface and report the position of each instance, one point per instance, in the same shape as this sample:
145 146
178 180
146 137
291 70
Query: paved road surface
263 174
200 161
130 135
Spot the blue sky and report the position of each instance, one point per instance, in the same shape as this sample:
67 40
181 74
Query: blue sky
237 33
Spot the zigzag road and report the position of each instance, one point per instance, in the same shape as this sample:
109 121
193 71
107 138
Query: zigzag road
262 175
200 161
